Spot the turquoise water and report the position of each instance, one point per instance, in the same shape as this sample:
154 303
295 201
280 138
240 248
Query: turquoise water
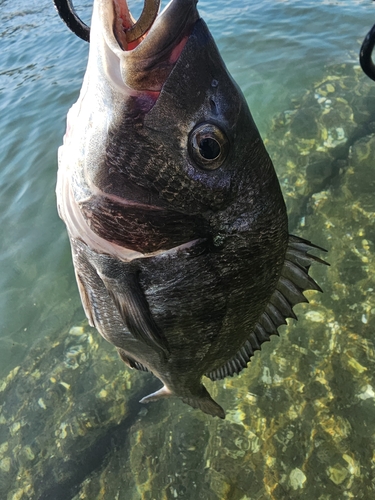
276 50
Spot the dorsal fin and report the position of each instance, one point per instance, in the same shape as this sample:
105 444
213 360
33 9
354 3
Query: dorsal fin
294 280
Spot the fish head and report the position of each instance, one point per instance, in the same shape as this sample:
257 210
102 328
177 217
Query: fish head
164 126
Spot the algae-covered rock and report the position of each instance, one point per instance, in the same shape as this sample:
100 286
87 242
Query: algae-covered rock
310 142
60 412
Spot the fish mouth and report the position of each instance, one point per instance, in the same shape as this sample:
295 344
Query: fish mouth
149 48
128 32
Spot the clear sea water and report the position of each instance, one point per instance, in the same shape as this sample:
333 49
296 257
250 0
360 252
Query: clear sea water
275 49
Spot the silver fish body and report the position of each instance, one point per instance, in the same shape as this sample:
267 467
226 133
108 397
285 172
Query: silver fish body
177 223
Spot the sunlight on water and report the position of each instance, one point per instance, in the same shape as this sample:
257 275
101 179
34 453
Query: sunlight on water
301 418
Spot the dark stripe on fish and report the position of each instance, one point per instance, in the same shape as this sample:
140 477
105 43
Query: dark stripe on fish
130 225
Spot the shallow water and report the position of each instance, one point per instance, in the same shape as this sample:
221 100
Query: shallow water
300 420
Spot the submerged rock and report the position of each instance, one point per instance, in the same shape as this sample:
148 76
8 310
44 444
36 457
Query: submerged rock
310 142
61 412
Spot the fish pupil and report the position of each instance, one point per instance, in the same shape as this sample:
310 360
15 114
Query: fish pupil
209 148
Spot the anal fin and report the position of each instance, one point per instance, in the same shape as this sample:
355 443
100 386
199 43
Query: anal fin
130 362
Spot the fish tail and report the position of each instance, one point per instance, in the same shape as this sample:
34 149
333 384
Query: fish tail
205 403
201 401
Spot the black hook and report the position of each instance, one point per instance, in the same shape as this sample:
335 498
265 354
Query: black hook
68 15
365 54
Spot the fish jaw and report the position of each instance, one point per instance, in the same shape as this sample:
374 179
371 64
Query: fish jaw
143 65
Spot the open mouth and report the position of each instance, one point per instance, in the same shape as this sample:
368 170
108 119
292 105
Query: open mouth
147 48
129 33
166 32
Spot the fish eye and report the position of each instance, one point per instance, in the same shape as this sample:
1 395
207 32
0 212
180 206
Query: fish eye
208 146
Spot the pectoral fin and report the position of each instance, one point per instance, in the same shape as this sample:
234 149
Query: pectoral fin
131 303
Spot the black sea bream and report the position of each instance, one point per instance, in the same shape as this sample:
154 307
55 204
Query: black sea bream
176 220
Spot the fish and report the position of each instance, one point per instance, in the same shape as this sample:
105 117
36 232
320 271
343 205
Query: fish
176 220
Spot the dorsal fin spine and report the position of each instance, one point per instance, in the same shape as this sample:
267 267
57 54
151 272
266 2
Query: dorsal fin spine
293 281
282 304
274 312
254 341
267 323
261 334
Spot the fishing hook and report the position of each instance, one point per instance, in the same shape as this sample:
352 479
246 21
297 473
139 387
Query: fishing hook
67 13
365 54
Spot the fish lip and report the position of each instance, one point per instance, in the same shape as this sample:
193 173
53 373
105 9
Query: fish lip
178 9
146 63
124 21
